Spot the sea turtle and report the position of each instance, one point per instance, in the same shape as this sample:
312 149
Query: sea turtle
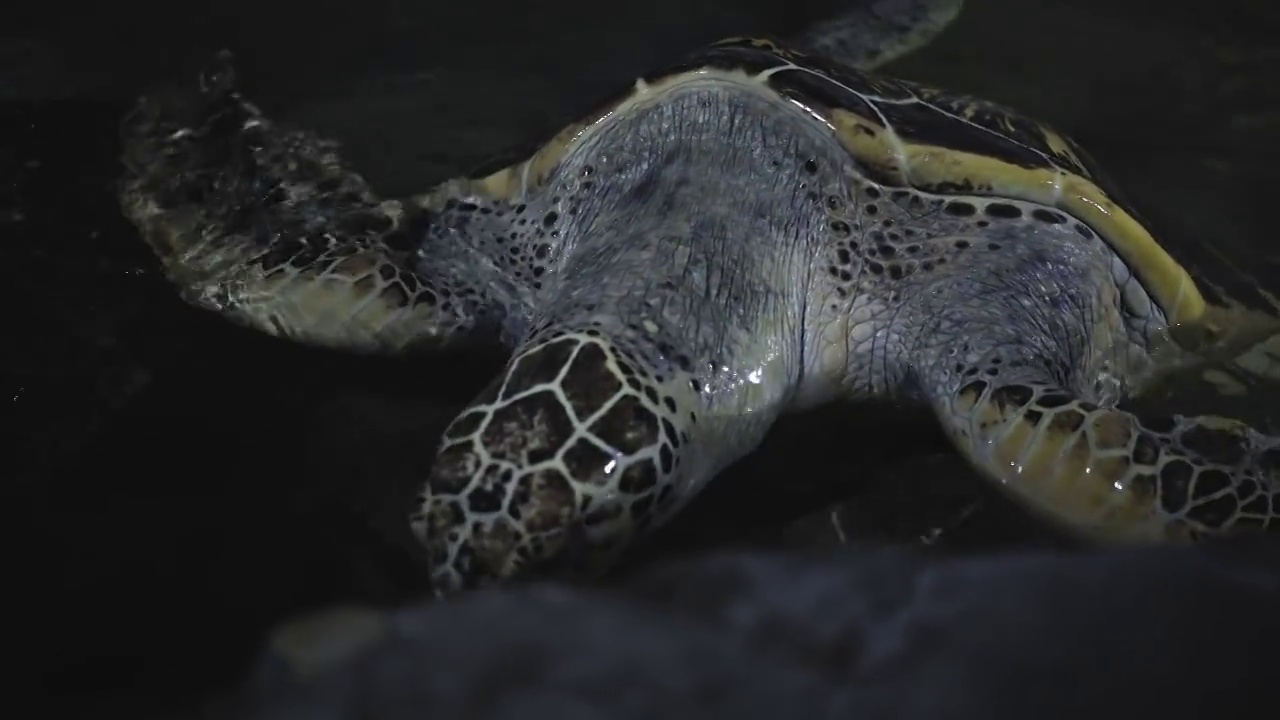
754 230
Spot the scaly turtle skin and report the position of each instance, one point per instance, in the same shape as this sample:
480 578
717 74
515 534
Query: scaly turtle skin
752 231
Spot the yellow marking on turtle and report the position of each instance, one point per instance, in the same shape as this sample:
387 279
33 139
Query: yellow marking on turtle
1059 145
922 165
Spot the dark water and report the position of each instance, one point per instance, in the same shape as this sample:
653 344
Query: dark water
182 484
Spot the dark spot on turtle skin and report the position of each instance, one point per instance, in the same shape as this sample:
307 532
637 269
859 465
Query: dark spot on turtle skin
495 548
443 517
1221 447
1012 396
1068 421
639 510
605 512
666 460
973 391
455 466
586 460
960 209
1145 486
1210 482
1083 231
871 209
1146 450
589 383
1258 505
425 297
449 514
666 497
1246 488
1004 211
1269 461
283 252
1214 513
546 500
669 432
962 244
872 192
487 497
538 366
529 430
840 228
1160 425
1175 485
1048 216
811 166
1052 400
627 425
639 477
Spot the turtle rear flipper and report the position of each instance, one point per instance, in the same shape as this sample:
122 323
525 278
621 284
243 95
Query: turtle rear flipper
1023 353
269 227
876 32
1110 475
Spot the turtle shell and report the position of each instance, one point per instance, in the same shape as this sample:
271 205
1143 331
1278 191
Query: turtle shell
906 135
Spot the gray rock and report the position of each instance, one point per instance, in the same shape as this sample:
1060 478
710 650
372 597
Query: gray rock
1169 632
536 652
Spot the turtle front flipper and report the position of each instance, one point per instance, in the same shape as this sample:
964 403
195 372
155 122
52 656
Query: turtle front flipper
583 444
875 32
270 228
1110 475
